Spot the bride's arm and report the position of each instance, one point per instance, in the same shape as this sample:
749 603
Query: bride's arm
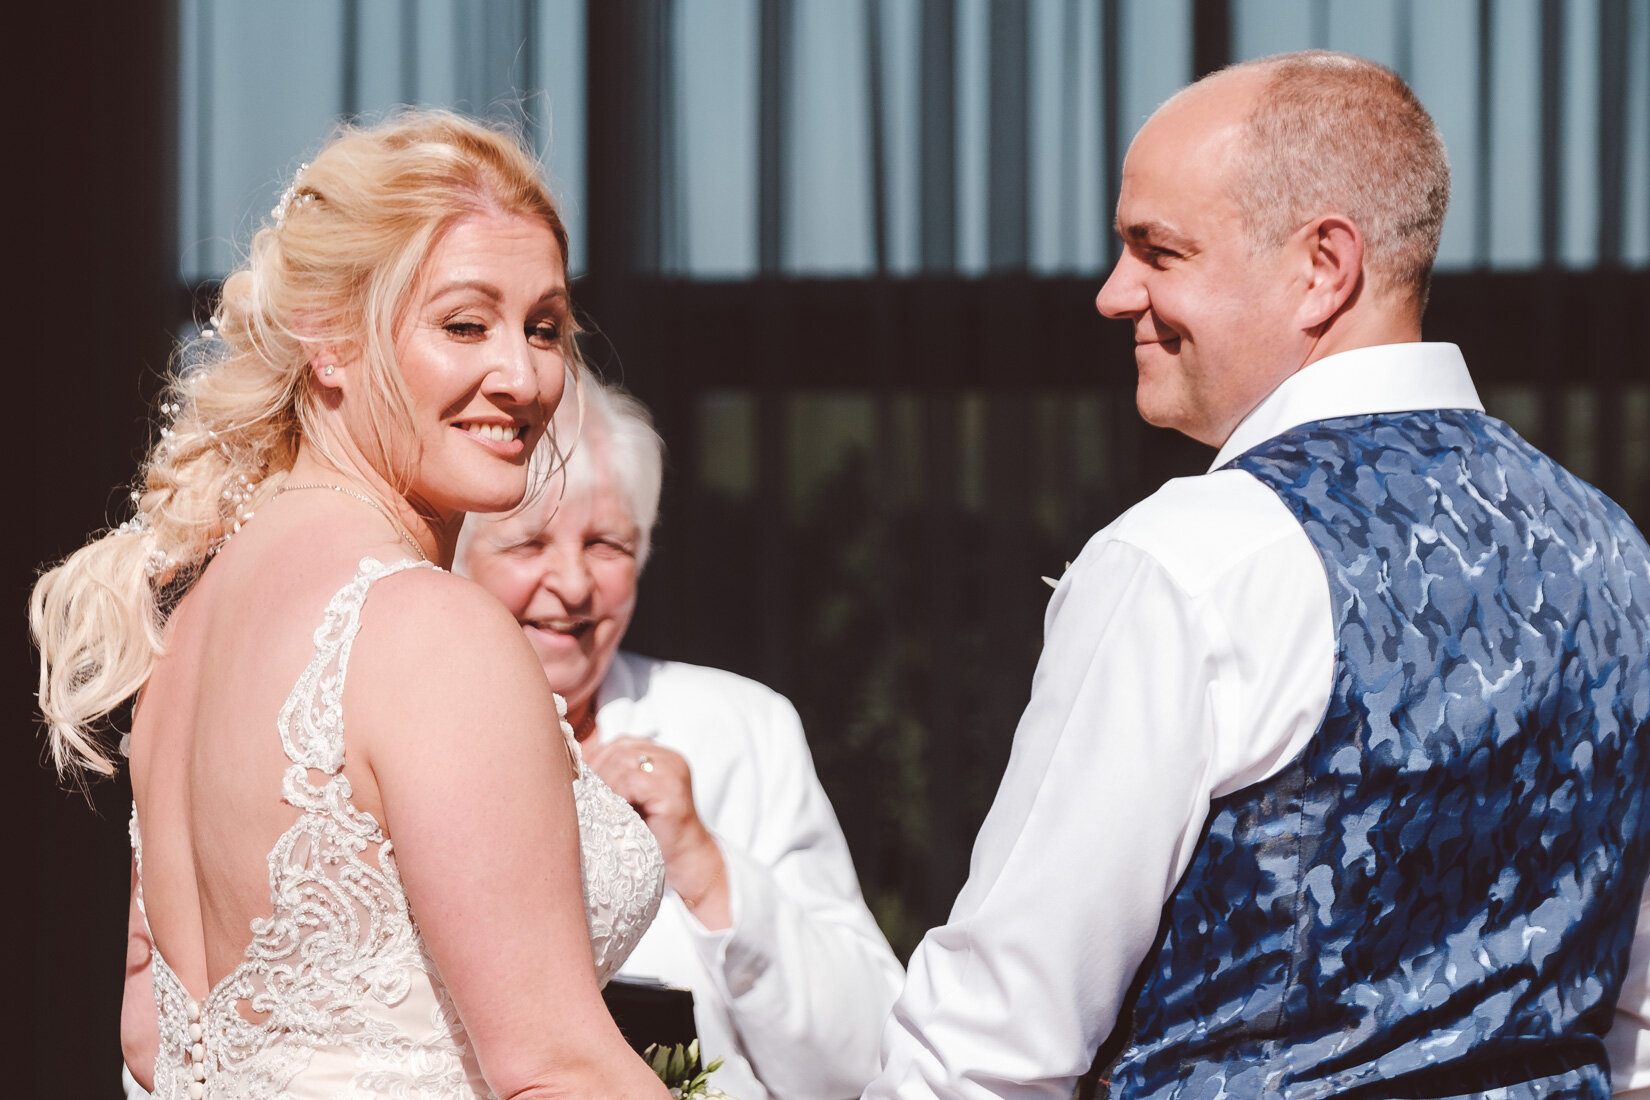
448 708
139 1022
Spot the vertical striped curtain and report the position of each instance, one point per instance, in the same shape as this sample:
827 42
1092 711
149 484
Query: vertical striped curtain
829 138
262 84
825 137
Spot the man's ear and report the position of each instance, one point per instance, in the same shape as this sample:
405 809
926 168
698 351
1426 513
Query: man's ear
1334 254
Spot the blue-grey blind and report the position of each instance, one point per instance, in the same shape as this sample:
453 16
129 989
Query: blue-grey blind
261 84
1545 105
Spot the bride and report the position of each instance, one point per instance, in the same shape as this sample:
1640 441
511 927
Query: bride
358 837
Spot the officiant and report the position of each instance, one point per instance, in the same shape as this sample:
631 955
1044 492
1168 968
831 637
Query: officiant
763 918
1332 777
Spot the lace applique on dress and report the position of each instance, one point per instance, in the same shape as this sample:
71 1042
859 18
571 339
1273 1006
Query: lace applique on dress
336 996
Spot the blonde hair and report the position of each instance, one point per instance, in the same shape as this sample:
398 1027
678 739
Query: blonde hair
329 275
1333 132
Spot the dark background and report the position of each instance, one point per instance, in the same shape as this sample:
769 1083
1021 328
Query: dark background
905 630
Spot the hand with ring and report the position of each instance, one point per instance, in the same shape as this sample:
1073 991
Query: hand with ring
657 782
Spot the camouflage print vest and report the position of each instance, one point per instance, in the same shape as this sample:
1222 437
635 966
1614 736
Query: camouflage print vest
1438 897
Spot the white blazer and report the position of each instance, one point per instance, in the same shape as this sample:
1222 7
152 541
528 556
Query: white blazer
795 993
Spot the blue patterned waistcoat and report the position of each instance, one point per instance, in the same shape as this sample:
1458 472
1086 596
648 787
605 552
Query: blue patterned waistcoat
1437 897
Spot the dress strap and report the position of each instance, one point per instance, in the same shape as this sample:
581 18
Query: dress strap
567 734
311 722
137 857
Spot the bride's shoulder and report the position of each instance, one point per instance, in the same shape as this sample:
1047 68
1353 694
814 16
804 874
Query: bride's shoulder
435 652
433 612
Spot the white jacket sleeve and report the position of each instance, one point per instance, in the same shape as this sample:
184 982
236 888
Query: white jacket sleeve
806 973
129 1085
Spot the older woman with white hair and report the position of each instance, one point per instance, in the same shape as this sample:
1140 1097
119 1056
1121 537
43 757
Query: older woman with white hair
763 918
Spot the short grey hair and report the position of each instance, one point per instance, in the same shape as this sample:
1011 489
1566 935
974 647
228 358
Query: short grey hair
606 431
1331 132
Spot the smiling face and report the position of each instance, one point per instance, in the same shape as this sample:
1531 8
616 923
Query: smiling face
566 569
1212 314
480 352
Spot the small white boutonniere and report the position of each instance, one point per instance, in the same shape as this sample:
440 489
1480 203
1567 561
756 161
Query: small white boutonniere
1051 582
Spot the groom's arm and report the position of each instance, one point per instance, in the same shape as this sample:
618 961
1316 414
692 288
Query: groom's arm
1013 995
806 975
1172 671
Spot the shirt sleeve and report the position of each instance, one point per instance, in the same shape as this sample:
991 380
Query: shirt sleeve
807 976
1628 1040
1148 699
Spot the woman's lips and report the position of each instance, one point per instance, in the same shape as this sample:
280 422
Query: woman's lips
504 439
557 632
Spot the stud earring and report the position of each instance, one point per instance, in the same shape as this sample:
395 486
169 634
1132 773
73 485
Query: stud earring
327 370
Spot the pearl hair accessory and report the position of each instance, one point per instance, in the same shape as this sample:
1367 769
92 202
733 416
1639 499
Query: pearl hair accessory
238 494
295 197
159 561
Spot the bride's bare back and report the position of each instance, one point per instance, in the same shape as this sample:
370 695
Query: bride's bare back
273 885
206 759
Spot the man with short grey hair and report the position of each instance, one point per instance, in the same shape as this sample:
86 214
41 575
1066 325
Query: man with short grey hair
1332 777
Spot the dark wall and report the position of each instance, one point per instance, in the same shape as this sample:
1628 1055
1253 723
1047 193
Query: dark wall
88 202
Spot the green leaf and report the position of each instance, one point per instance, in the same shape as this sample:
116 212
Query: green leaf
679 1068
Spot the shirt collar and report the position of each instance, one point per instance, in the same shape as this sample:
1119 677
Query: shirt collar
620 709
1381 379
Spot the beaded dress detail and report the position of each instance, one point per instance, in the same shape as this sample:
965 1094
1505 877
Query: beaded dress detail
336 996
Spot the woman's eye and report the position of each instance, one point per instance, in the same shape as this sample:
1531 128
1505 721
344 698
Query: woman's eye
544 332
465 330
608 548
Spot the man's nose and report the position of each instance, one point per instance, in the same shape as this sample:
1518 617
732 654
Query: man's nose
1122 295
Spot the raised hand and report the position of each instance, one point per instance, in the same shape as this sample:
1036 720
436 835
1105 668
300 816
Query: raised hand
659 784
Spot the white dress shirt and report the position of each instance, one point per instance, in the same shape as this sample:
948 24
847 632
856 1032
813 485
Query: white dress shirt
1188 652
795 993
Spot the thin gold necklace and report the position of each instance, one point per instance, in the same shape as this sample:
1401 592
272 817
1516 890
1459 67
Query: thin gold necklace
406 536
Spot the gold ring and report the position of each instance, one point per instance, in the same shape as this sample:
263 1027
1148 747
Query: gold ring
644 762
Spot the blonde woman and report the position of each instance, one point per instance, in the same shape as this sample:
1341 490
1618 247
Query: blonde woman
345 764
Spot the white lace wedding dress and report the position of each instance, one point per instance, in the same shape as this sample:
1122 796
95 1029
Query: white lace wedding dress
349 1004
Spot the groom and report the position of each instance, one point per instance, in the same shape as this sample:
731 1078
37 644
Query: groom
1332 777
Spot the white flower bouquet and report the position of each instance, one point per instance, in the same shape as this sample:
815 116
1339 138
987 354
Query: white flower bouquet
678 1067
